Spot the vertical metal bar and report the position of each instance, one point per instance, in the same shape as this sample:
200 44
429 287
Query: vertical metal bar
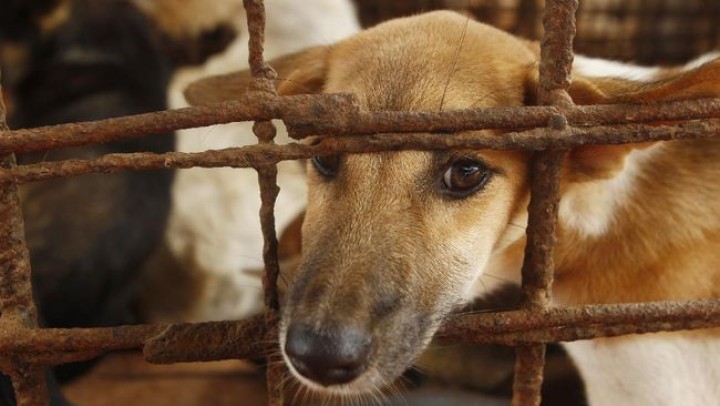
526 386
269 190
16 302
556 52
29 384
260 70
537 274
537 270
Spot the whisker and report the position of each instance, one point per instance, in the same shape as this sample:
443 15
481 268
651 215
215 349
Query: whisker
488 310
497 277
302 85
295 388
45 155
455 60
396 390
418 367
436 346
493 93
484 286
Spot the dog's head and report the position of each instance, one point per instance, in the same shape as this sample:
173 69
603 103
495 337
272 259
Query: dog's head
392 242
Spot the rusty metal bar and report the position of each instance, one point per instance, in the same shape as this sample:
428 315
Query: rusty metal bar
211 341
556 57
251 106
25 340
555 67
269 190
17 309
338 114
257 155
528 382
538 269
581 322
253 337
255 10
556 52
16 302
29 383
538 265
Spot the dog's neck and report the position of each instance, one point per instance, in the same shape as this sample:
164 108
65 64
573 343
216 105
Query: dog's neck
627 238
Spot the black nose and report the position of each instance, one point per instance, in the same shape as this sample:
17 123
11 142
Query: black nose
332 357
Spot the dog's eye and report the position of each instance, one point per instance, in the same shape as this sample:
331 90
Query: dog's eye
464 177
326 165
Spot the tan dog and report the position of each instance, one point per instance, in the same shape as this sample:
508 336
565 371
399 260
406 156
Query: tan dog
392 242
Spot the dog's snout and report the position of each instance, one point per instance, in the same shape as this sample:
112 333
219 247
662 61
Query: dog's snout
331 357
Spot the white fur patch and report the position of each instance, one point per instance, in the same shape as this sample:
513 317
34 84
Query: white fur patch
594 67
702 60
214 223
589 208
651 370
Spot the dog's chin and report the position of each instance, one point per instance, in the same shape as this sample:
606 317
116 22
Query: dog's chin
369 382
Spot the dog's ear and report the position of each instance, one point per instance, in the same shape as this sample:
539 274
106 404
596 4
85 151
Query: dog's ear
298 73
674 84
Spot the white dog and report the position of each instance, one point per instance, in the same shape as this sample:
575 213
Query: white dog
213 237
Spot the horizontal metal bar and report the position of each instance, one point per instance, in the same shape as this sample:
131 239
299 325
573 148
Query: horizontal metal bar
211 341
258 155
339 114
75 340
251 337
581 322
248 107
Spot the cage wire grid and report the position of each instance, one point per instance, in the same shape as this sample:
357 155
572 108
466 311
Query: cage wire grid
549 129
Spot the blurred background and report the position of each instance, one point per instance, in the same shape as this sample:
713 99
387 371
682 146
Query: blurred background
643 31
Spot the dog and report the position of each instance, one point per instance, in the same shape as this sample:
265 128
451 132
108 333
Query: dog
213 242
393 242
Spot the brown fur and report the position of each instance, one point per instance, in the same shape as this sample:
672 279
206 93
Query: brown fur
385 252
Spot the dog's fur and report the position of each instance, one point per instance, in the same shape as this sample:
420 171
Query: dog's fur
214 242
388 251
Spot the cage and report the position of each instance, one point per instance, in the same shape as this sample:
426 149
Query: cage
627 30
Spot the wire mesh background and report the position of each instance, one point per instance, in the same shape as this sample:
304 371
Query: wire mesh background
645 31
549 130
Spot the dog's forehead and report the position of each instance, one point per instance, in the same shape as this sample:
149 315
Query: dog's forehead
398 167
436 60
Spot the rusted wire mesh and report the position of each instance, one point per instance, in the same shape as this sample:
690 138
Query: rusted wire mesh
550 130
645 31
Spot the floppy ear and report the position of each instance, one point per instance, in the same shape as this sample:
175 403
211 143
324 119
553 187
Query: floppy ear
672 84
298 73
